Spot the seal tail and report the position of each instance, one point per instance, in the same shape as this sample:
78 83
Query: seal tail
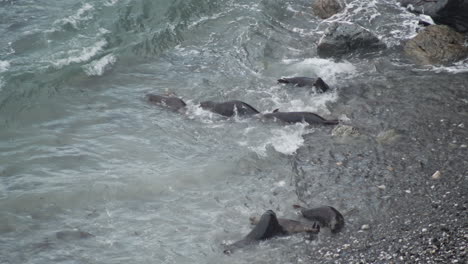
331 122
283 80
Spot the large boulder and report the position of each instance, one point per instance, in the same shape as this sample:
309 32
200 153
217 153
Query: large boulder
327 8
437 44
453 13
343 37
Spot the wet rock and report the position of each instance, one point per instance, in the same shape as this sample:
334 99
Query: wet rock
345 131
436 175
327 8
437 45
387 136
453 13
342 38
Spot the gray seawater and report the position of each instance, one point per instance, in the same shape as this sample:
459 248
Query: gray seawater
80 149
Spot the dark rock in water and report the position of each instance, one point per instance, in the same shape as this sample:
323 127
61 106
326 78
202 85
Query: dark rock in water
343 38
266 228
437 44
327 8
299 117
327 216
453 13
72 234
170 102
229 108
306 82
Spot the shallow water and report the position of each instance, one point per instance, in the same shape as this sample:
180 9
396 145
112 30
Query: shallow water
80 149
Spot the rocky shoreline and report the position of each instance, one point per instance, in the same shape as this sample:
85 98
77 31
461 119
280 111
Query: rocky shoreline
412 171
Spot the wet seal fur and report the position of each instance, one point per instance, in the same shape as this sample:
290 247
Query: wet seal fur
171 102
299 117
292 226
318 83
327 216
266 228
229 108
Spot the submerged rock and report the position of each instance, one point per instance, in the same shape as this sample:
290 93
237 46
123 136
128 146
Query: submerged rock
453 13
327 8
72 235
388 136
345 131
343 38
437 44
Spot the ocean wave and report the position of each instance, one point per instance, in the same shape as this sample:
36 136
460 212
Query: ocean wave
98 67
286 140
80 55
4 65
324 68
82 14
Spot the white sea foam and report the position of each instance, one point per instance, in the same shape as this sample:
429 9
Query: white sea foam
4 65
110 2
459 67
98 67
80 55
81 15
324 68
286 140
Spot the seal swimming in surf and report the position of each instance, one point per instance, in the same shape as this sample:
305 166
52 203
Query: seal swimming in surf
318 83
299 117
266 228
327 216
229 108
171 102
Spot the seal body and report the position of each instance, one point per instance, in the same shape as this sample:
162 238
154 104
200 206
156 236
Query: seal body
266 228
292 226
299 117
327 216
170 102
318 83
229 108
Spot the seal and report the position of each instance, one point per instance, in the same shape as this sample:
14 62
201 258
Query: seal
292 226
299 117
318 83
266 228
170 102
229 108
327 216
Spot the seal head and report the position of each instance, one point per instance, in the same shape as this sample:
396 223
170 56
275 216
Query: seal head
170 102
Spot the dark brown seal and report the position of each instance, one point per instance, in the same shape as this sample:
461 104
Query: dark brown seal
292 226
266 228
318 83
229 108
299 117
170 102
327 216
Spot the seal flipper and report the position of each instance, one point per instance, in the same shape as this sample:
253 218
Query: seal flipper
266 228
321 85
